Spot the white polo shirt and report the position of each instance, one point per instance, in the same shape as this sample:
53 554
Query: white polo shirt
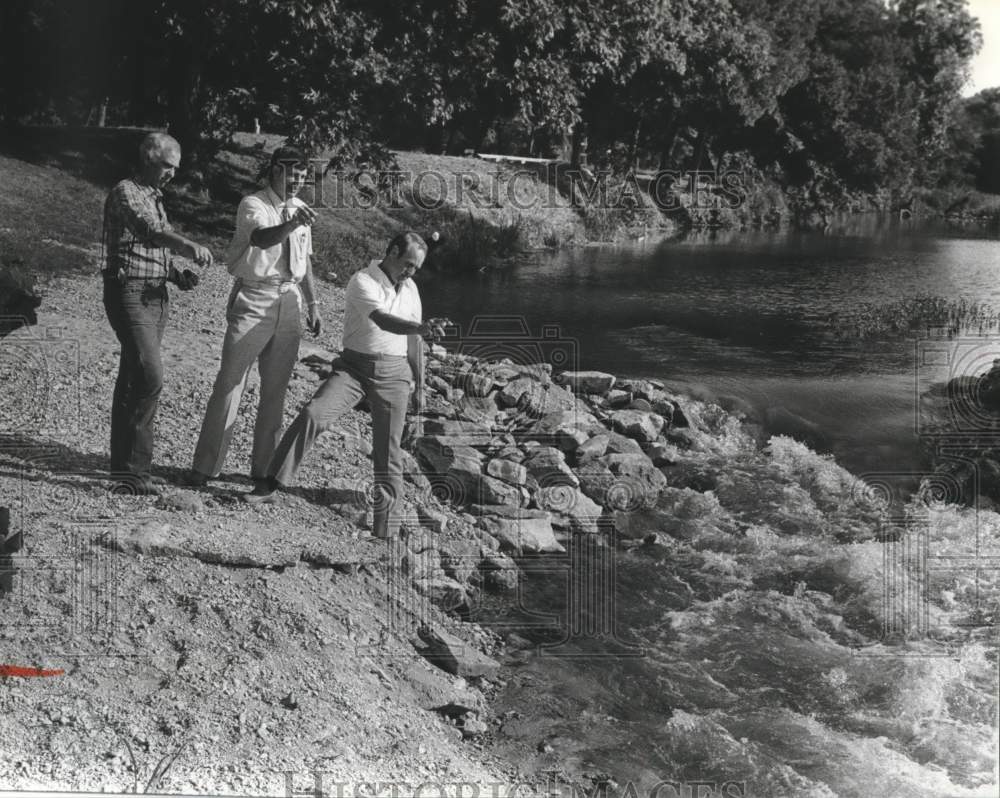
371 289
264 209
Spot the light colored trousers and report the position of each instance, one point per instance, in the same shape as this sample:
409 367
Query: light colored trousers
264 325
385 381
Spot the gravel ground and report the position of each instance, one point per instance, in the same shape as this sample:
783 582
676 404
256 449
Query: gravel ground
207 646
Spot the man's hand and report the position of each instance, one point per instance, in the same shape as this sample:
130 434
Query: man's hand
313 321
200 255
434 328
418 401
185 280
304 215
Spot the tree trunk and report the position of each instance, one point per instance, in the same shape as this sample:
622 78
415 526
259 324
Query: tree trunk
578 157
667 147
182 91
634 152
699 151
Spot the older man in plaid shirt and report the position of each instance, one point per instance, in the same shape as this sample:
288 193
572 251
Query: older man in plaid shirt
138 241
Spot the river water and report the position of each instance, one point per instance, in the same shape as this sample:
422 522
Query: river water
748 315
781 638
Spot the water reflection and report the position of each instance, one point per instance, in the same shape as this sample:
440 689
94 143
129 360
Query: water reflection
751 314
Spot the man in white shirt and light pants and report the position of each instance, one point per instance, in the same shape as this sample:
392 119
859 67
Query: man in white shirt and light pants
270 257
382 350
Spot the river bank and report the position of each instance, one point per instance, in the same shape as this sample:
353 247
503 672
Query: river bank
198 628
246 646
211 647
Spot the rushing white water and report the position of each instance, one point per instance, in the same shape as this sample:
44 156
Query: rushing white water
803 632
801 636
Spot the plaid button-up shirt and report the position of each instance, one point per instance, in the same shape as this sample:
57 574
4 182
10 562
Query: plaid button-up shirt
133 213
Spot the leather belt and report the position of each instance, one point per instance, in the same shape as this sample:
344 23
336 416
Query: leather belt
282 284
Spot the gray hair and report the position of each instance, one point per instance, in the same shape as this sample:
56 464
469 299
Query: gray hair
156 144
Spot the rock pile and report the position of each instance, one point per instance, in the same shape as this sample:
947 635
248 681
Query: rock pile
516 460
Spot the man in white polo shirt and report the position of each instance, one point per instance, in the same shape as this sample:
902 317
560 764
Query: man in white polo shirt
382 348
270 257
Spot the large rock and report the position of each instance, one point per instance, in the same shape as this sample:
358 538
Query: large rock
557 398
641 389
457 469
596 480
639 469
570 439
645 427
616 398
481 409
475 383
671 411
586 382
469 433
503 373
521 531
520 392
552 425
624 482
490 490
508 471
548 466
594 447
442 456
578 511
620 444
454 655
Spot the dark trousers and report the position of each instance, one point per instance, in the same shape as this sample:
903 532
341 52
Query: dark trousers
138 311
385 382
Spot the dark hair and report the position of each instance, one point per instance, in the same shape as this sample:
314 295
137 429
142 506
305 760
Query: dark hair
285 155
289 154
402 242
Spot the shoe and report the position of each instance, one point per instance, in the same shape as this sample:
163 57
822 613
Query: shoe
193 479
265 492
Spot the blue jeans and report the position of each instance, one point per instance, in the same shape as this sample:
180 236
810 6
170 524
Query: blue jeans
138 311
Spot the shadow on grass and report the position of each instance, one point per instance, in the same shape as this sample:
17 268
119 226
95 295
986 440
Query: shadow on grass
99 155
